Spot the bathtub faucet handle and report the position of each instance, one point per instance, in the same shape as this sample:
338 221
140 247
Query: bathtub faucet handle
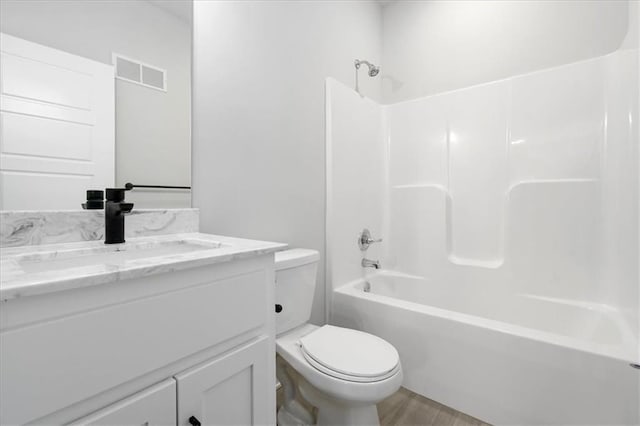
365 240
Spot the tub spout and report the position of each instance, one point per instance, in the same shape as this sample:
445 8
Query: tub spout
366 263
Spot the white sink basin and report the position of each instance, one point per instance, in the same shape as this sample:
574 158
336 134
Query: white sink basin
116 254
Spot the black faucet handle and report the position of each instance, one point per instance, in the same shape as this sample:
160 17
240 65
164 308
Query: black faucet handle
115 194
126 207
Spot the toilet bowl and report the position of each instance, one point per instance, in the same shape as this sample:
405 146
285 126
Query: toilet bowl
342 372
343 380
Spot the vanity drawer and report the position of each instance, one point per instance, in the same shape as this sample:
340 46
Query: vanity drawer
53 364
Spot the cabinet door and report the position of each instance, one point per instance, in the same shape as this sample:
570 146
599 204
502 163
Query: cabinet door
153 406
234 389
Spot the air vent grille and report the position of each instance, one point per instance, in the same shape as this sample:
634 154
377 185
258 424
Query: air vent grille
135 71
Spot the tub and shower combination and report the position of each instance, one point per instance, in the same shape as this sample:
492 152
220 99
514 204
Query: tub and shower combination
516 359
509 218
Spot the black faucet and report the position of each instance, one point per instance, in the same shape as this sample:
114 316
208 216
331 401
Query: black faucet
114 211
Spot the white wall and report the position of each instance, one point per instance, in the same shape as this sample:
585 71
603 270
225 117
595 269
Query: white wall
436 46
153 135
258 113
632 40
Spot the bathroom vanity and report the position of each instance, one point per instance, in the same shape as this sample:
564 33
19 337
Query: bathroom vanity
172 329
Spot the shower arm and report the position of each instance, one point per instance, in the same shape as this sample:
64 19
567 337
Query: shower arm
373 71
357 64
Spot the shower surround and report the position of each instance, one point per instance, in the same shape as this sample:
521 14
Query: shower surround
509 213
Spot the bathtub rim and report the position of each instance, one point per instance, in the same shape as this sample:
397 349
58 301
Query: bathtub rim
615 352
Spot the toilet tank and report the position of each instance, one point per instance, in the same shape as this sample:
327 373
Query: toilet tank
295 287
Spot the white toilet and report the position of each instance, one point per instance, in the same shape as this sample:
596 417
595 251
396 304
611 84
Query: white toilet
342 372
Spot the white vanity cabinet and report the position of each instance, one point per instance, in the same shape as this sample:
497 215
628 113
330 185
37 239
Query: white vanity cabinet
153 350
228 390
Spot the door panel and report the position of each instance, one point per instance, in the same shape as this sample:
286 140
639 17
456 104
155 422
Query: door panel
36 188
230 402
22 134
230 390
57 134
32 79
154 406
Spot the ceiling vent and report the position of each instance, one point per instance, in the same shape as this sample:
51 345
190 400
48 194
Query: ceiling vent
134 71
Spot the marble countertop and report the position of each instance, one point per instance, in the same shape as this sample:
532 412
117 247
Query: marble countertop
24 271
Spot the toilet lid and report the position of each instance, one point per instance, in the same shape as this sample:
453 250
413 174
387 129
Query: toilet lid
350 354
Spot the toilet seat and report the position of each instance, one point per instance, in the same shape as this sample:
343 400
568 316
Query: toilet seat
350 355
288 347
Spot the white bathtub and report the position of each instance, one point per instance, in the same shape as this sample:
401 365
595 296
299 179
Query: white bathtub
518 359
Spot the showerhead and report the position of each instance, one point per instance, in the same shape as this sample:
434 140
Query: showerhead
373 69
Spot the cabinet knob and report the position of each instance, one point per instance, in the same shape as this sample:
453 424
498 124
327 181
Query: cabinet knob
278 308
194 422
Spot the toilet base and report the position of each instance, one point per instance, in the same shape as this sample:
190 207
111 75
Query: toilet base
287 418
335 412
292 412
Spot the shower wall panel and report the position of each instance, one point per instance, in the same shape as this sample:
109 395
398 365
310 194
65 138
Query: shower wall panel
528 183
356 178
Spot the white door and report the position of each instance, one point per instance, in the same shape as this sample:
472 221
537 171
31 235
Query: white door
57 135
154 406
231 390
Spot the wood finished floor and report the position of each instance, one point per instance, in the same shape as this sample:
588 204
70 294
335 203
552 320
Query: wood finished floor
405 408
